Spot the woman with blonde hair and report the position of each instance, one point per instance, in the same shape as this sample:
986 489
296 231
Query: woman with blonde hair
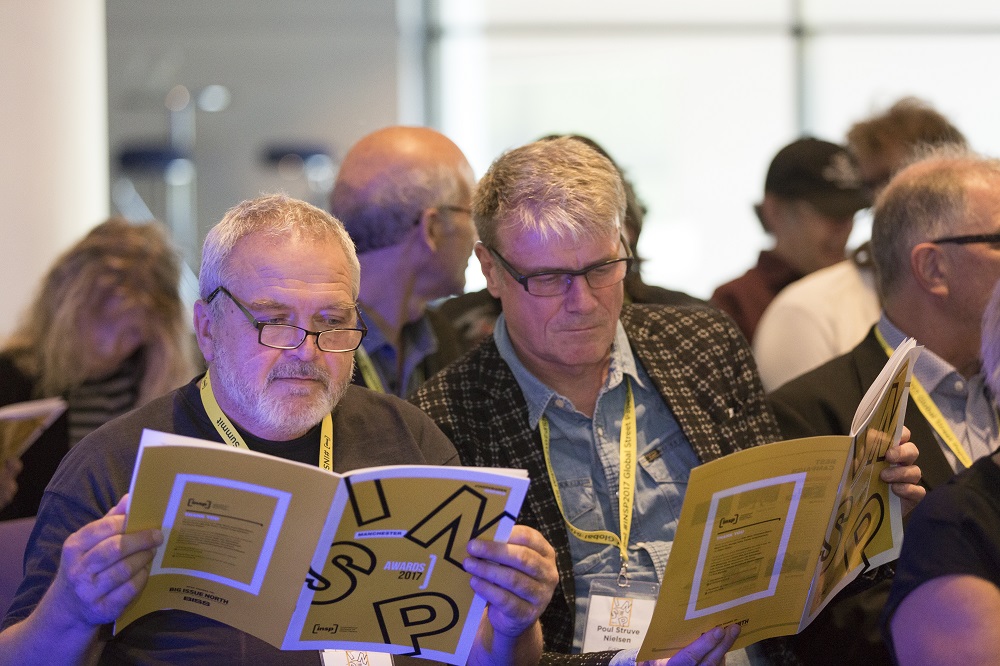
106 332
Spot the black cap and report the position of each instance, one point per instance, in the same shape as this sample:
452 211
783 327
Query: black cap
820 172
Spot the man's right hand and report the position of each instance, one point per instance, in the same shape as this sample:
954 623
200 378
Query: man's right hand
102 569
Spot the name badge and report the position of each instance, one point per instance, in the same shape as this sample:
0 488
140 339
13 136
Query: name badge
618 617
355 658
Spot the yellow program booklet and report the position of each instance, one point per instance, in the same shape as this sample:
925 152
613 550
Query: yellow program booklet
307 559
767 536
22 423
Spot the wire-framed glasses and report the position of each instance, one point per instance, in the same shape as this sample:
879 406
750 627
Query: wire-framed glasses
288 336
556 283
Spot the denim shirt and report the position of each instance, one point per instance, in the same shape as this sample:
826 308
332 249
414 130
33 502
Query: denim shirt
585 458
964 403
418 343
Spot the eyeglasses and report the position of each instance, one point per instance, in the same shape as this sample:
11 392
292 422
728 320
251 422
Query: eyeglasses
287 336
556 283
454 209
972 238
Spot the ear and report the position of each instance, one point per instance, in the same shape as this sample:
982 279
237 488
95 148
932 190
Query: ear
490 268
203 330
770 212
431 228
929 264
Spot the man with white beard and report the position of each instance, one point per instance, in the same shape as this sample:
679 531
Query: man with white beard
276 323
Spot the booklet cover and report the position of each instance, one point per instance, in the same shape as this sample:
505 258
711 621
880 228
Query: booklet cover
23 422
768 536
307 559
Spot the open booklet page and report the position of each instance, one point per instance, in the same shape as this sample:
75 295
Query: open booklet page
23 422
393 574
308 559
767 536
239 528
866 530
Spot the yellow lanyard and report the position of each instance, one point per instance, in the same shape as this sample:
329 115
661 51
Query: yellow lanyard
930 411
626 485
232 437
367 369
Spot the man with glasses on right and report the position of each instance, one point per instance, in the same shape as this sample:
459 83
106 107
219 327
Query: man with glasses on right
936 251
608 407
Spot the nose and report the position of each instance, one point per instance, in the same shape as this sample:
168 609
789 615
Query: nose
580 295
309 349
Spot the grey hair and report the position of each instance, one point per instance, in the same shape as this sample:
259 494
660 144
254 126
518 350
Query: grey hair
925 200
554 187
274 215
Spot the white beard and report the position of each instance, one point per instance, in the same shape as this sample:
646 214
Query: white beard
263 409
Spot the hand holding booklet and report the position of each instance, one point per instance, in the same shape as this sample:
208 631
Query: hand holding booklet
307 559
769 535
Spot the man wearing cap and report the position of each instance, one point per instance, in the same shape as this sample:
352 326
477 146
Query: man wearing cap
826 313
811 194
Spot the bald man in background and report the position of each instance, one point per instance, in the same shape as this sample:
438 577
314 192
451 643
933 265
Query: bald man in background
403 193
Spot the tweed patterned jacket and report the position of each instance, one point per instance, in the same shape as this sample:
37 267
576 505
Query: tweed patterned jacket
700 364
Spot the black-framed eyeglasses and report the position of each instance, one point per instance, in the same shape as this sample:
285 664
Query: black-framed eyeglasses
556 283
969 239
452 208
287 336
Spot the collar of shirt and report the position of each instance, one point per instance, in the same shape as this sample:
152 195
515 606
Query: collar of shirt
537 395
930 369
775 271
418 343
964 403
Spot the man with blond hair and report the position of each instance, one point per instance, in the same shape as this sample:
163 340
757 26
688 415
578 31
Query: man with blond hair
587 394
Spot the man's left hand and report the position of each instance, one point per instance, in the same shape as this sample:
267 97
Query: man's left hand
709 649
516 578
902 475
